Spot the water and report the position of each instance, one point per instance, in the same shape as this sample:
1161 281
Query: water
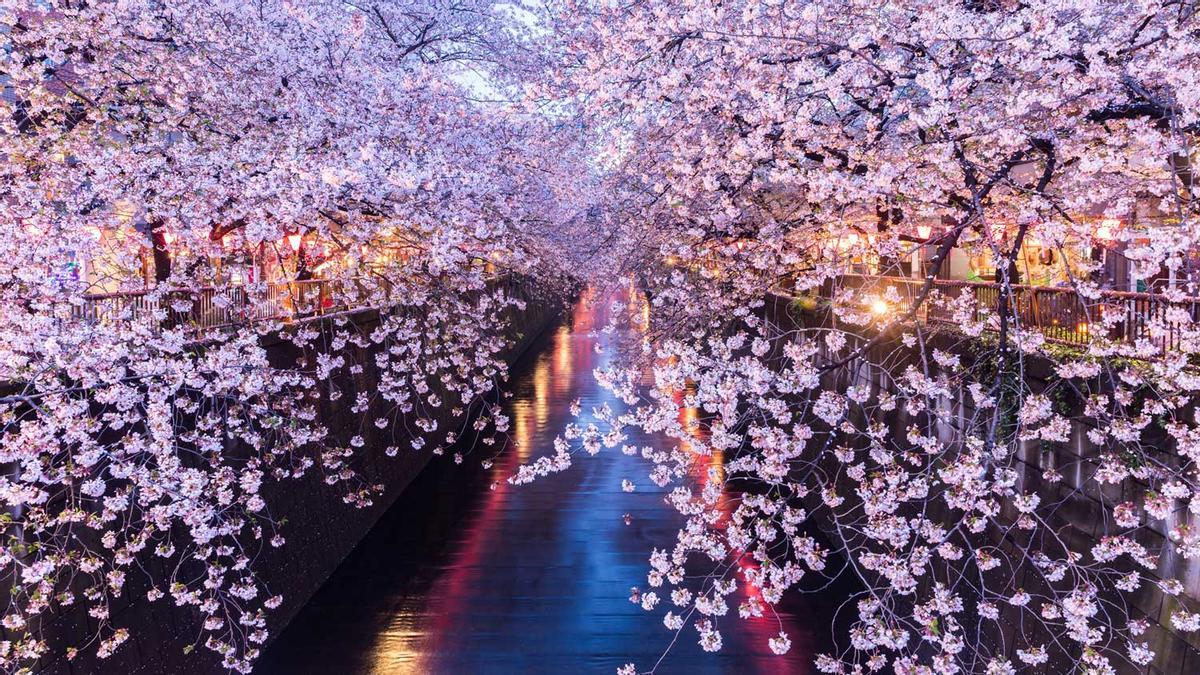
461 578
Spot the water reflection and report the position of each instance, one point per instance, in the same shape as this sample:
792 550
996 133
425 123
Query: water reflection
467 574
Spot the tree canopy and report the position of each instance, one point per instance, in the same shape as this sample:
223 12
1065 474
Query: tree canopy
417 153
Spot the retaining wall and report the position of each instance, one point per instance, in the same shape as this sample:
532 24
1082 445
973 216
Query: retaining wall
321 530
1079 516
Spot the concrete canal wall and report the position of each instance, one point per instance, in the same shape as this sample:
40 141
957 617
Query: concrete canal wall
1079 516
321 530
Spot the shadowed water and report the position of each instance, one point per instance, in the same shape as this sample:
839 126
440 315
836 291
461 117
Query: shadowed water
467 574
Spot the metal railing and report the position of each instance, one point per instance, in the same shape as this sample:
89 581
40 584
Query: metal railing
1062 315
213 308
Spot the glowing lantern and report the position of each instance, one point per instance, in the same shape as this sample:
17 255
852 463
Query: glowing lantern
1105 231
879 307
923 231
294 240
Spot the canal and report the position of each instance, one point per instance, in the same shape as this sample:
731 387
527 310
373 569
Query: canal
468 574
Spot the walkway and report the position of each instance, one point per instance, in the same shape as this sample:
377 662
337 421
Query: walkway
1061 314
460 578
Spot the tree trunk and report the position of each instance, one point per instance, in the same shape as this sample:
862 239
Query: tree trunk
157 233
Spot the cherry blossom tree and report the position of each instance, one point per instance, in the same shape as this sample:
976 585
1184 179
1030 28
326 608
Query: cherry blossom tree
753 148
414 156
380 153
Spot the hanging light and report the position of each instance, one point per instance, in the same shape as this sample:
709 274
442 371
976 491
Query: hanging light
923 231
1105 231
294 240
